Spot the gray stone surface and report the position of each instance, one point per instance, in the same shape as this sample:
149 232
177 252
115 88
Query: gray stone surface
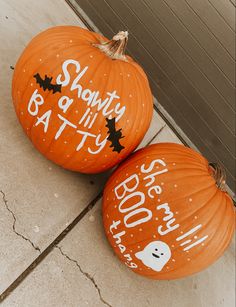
85 260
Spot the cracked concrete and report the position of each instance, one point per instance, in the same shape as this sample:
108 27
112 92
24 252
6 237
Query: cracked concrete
14 223
56 282
121 287
166 135
87 275
12 262
155 135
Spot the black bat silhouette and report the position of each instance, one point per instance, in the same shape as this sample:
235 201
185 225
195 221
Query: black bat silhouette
46 83
114 135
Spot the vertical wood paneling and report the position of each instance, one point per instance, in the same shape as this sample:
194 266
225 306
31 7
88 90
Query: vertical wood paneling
158 40
171 31
204 36
214 23
225 10
189 45
169 66
201 143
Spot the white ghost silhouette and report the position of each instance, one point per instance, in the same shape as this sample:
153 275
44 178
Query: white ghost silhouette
155 255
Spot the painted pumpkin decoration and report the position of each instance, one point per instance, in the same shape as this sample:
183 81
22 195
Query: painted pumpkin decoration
165 212
83 103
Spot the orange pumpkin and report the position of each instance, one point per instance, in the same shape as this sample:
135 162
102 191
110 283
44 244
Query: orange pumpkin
83 103
165 212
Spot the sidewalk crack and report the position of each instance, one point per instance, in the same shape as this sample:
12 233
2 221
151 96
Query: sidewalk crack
155 135
14 223
87 275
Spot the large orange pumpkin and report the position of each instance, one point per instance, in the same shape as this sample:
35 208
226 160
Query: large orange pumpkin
165 212
83 103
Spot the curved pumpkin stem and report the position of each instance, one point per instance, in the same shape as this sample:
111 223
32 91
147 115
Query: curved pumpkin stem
115 48
219 175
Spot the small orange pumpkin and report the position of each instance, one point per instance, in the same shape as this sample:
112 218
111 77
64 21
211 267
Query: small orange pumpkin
165 213
83 103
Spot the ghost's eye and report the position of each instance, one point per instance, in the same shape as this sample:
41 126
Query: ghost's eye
162 254
156 249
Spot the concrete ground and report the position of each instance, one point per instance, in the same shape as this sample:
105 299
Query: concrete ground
53 251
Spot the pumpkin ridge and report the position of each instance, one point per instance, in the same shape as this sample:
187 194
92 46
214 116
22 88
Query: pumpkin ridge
102 93
44 106
176 199
177 148
116 174
51 37
116 68
190 176
225 245
113 70
38 67
131 146
195 256
72 109
195 193
209 241
192 158
205 204
17 107
37 49
68 50
199 209
122 168
163 151
138 85
136 104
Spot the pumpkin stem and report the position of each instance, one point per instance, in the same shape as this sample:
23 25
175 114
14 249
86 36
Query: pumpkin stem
218 173
115 48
